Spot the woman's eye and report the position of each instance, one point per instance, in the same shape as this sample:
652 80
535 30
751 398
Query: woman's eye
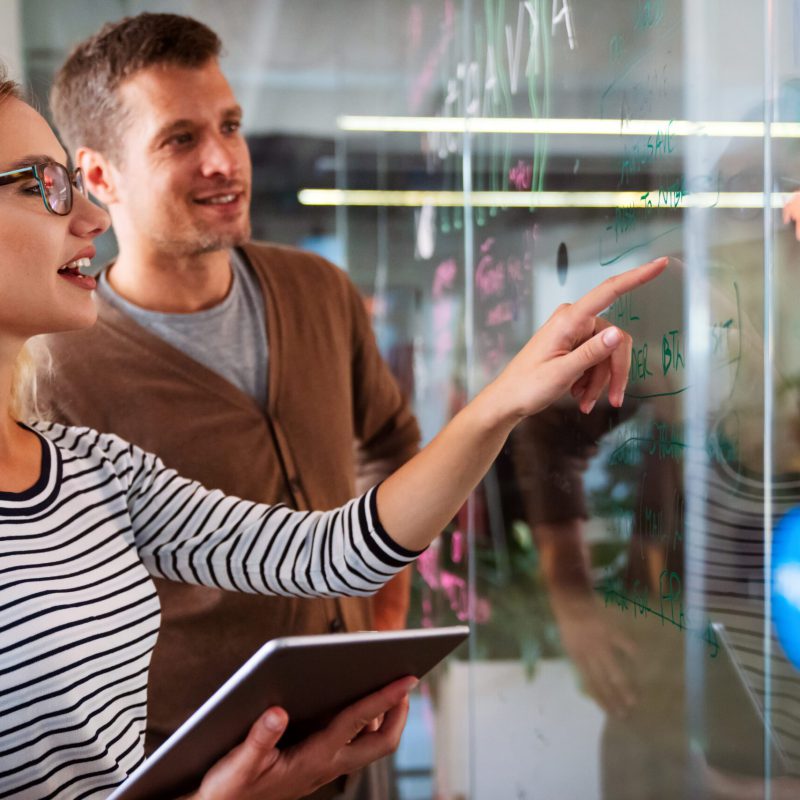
32 189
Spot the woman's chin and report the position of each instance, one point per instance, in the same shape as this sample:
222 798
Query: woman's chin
76 321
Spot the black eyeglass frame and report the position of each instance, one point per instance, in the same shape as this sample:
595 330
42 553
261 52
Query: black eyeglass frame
74 180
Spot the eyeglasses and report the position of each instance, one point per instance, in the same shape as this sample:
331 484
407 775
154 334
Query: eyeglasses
55 184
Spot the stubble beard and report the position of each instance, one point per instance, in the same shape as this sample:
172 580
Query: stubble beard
199 242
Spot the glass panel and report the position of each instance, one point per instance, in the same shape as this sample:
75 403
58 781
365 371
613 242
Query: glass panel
782 537
473 164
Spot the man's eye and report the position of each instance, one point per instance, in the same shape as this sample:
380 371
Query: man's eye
180 139
232 126
32 188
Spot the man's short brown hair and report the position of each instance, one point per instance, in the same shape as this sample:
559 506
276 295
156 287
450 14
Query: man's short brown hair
84 97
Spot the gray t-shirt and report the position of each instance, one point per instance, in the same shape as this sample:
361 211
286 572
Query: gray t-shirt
230 338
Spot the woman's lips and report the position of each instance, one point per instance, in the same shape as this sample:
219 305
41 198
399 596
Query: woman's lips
78 279
72 272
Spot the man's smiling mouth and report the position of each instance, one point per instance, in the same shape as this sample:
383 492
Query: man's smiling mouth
218 199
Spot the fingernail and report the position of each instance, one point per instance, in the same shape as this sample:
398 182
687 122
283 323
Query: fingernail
588 409
611 337
413 685
273 721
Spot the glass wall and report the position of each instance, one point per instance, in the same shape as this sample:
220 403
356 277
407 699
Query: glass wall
631 577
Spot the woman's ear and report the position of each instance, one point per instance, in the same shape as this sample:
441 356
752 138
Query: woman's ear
98 174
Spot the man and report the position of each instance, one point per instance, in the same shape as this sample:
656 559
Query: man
249 367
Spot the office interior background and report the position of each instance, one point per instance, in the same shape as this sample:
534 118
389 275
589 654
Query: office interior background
631 578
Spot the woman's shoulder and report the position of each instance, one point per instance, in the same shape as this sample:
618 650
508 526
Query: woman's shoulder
81 441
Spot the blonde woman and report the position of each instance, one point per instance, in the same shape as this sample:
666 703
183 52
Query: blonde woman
86 519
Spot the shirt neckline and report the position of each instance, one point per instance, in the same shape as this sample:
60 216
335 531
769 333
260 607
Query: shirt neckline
174 319
44 490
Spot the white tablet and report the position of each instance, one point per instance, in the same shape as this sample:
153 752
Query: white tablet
312 677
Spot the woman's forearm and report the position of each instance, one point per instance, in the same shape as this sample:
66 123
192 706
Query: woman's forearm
417 501
574 351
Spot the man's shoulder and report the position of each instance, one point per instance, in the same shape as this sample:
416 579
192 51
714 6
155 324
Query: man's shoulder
284 253
290 267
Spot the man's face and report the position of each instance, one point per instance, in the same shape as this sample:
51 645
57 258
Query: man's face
183 177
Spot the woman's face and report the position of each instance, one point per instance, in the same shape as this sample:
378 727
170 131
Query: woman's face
35 244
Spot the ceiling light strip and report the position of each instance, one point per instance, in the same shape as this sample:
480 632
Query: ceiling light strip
566 126
417 199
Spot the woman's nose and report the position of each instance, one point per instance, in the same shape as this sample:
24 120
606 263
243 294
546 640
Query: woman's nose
88 220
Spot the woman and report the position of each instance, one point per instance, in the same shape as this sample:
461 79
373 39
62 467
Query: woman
86 518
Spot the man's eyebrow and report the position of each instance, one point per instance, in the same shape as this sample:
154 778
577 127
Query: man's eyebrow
28 161
183 124
170 127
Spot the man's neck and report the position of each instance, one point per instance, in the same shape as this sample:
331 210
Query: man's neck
172 284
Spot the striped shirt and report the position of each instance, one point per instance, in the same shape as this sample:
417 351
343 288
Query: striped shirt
729 563
80 614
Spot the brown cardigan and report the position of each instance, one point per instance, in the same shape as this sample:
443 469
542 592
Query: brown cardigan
328 387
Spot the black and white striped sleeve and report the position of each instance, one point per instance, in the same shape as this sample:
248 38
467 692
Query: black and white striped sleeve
188 533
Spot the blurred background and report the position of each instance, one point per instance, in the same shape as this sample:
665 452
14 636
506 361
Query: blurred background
472 164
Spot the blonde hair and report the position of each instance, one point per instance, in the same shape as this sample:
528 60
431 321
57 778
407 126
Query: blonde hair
33 361
34 355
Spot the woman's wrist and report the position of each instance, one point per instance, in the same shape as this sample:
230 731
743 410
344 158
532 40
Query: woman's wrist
492 413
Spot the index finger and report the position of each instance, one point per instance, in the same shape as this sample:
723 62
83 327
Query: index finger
353 719
367 749
611 289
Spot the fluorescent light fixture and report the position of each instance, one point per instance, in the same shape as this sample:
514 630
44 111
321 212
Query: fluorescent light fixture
575 127
417 199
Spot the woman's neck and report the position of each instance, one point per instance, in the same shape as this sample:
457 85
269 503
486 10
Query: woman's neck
9 430
9 352
20 457
20 451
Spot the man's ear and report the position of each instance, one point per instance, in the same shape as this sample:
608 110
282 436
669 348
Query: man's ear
98 174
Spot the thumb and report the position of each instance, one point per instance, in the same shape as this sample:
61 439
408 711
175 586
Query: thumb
248 762
592 352
259 750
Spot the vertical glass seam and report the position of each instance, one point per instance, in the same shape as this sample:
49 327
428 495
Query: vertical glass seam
769 40
469 359
696 407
